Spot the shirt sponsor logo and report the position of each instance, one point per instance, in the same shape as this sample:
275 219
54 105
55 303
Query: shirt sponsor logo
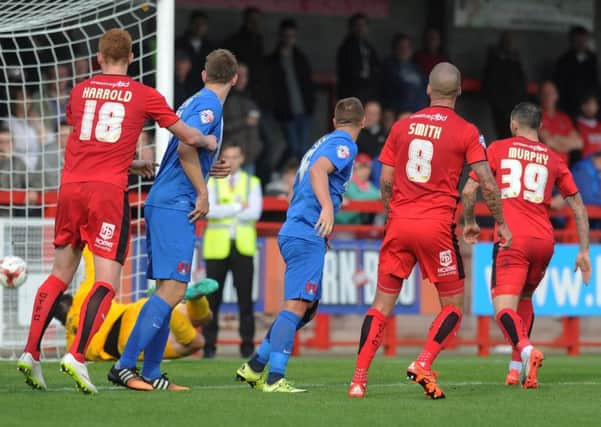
119 83
434 117
343 152
107 230
206 116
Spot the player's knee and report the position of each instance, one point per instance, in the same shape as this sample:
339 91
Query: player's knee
384 302
197 343
171 291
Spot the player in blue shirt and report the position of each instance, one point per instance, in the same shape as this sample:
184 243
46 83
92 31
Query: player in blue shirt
321 181
177 199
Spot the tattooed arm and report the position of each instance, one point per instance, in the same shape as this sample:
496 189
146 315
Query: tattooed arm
471 230
492 197
583 261
386 180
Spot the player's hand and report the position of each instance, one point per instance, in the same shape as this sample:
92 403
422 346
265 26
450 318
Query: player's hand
471 232
583 262
201 209
221 169
325 223
505 237
143 168
209 142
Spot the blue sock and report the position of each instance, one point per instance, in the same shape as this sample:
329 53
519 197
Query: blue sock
153 352
259 360
150 320
282 340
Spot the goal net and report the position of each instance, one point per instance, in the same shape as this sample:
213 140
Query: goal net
46 47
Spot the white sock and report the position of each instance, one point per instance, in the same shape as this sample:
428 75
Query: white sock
525 354
515 365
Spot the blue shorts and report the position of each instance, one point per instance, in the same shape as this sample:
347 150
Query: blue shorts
170 240
304 267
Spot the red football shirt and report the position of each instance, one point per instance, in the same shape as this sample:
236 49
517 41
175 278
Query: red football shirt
526 173
107 113
590 131
558 124
428 151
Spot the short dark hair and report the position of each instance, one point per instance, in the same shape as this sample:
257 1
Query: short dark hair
221 66
251 10
578 30
61 309
586 96
197 14
231 144
349 111
397 38
356 17
527 114
288 24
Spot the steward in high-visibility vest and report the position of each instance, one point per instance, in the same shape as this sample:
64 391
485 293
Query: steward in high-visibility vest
230 244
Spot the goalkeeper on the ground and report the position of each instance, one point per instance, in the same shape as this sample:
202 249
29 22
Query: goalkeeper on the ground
109 341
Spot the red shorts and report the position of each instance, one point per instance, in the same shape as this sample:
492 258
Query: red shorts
432 244
96 214
521 267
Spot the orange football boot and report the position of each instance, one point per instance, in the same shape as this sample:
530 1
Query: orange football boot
513 377
357 390
426 378
530 368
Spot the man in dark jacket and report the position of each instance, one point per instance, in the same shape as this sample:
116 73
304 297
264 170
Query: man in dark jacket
357 62
504 82
576 71
290 79
195 44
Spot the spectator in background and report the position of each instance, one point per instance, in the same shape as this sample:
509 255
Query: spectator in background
51 160
372 137
82 67
587 175
182 86
431 52
403 81
282 186
576 71
14 174
588 125
557 130
196 45
505 83
357 63
290 78
230 243
50 103
26 128
241 120
388 119
247 45
360 188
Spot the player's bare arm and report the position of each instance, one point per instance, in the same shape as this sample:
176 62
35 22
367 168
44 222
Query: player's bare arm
192 136
188 157
583 261
386 180
319 173
492 197
221 169
471 230
143 168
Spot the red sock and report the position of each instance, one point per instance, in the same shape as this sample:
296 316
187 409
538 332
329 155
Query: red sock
43 307
512 326
93 310
372 334
444 327
526 312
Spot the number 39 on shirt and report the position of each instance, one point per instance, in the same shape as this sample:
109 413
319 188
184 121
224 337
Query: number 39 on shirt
533 178
108 126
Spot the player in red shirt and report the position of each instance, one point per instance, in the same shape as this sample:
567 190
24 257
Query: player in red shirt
107 113
557 129
422 159
526 170
589 125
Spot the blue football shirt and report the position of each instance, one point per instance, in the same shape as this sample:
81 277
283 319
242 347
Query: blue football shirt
172 189
340 149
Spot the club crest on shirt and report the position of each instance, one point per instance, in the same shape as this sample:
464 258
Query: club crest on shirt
343 152
206 116
183 267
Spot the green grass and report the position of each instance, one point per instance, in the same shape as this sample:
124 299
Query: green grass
570 394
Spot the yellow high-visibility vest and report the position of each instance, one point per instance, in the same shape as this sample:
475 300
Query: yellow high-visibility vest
217 239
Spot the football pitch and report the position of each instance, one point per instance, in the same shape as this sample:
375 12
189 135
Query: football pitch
570 394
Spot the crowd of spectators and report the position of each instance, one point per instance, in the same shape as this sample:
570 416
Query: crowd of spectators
270 112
